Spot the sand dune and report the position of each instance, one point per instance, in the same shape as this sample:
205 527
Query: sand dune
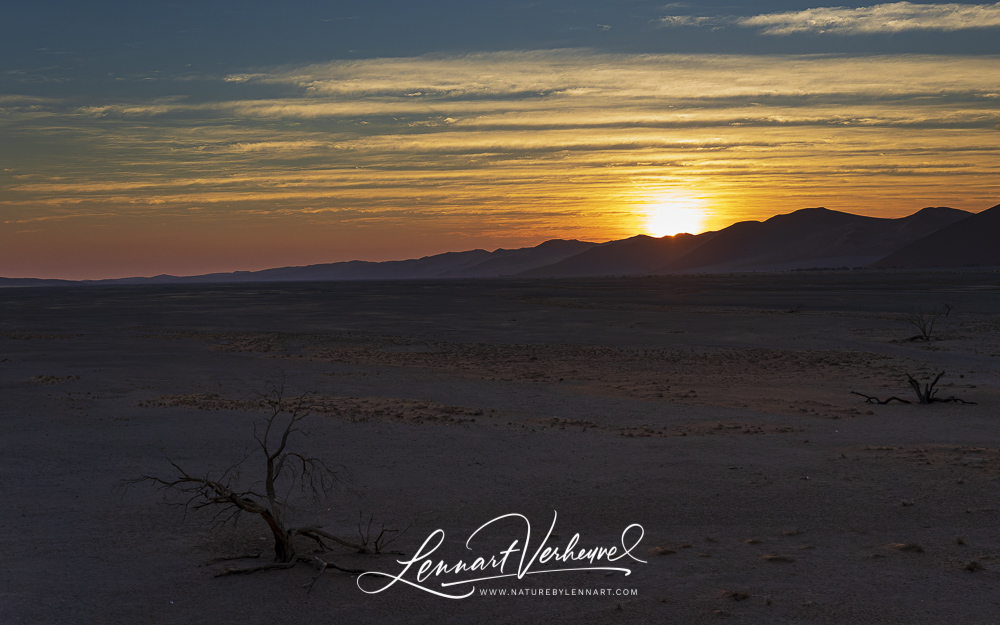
815 237
974 241
634 256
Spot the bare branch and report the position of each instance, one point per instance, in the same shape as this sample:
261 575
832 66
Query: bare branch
875 400
926 394
256 569
305 531
924 321
282 467
385 536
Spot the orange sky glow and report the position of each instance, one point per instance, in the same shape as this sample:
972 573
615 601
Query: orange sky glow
397 158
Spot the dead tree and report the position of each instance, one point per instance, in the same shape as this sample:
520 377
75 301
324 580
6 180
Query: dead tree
926 394
283 470
924 322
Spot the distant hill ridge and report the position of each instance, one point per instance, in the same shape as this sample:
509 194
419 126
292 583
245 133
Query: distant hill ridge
970 242
811 237
804 239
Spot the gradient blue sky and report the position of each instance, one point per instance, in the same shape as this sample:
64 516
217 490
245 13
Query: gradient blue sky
188 137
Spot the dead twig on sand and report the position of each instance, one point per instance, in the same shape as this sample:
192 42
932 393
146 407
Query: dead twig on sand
875 400
926 394
377 542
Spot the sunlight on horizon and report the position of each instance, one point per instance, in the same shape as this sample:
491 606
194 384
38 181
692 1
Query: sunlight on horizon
671 214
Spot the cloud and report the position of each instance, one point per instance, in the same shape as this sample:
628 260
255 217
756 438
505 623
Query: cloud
479 84
509 132
242 77
880 18
296 147
673 21
24 100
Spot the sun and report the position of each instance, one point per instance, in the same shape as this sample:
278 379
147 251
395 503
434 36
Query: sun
670 216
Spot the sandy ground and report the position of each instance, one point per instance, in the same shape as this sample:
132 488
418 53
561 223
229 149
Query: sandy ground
716 412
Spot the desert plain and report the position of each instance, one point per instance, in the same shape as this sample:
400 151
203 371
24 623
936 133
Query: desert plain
716 411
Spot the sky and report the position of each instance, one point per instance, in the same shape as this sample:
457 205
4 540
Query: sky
139 139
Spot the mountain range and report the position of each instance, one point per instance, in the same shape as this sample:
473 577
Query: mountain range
811 238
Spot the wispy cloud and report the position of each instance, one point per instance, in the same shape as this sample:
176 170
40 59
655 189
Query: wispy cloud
673 21
880 18
890 18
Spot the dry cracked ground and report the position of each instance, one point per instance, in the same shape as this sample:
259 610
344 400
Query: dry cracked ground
717 412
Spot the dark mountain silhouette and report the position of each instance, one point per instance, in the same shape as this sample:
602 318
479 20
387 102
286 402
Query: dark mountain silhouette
34 282
974 241
636 255
808 238
811 237
510 262
471 264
